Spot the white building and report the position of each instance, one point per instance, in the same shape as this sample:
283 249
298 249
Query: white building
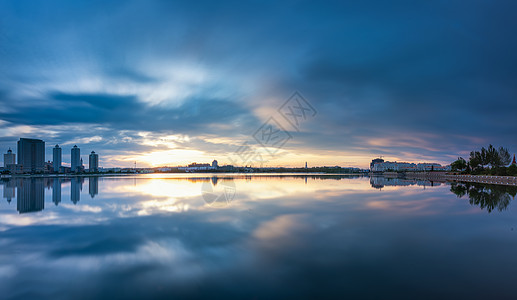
9 158
393 166
404 166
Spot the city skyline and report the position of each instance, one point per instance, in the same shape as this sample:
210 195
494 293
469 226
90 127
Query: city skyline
183 82
76 162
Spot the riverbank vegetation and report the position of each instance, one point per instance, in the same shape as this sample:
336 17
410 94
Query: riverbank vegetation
487 161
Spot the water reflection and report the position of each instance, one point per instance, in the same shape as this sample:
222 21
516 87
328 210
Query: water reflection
30 192
486 196
379 182
328 236
93 186
9 190
31 196
56 191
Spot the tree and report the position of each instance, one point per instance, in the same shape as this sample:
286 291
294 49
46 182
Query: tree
459 165
492 157
504 156
475 159
512 170
484 157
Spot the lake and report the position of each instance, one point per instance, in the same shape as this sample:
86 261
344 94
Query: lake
264 236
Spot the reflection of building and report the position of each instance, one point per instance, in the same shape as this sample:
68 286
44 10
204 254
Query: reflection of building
9 158
214 180
75 189
56 191
93 165
31 195
379 182
9 187
57 155
93 186
31 154
75 158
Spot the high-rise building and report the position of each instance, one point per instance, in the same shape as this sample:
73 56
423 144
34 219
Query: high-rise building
56 155
9 158
75 158
31 155
94 162
215 165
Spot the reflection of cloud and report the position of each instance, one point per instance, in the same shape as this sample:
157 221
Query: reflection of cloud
282 231
168 205
83 208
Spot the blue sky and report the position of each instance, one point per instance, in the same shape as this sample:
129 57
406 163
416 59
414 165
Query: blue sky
169 82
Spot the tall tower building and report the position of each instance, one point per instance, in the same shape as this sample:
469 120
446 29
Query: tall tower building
9 158
56 155
76 158
31 154
94 162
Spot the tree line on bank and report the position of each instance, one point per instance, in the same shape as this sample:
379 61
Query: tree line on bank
487 161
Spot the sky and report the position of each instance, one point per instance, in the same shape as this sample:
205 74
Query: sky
172 82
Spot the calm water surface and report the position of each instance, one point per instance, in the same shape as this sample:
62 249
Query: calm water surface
255 237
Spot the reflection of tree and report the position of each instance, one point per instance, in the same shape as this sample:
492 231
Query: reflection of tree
486 196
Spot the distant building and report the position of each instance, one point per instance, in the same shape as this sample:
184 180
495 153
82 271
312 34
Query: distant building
375 161
429 167
47 167
75 159
31 155
57 158
394 166
93 164
385 166
9 158
199 167
15 168
214 164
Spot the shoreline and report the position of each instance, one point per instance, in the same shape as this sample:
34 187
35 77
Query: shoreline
188 173
487 179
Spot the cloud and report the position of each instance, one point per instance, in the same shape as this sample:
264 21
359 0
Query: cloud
373 71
